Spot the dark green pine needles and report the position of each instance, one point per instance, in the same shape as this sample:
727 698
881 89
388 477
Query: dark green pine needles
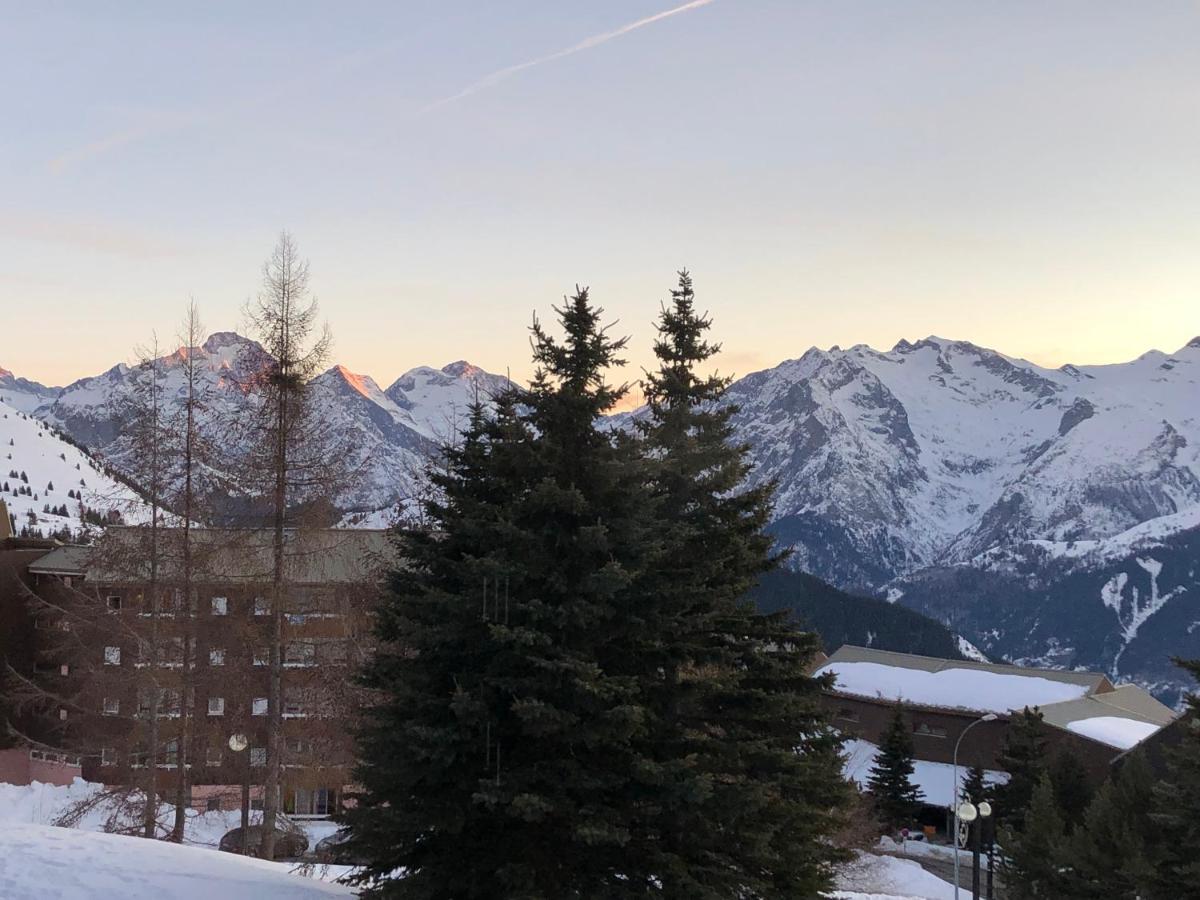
890 779
572 699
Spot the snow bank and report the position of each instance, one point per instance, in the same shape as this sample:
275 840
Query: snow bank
956 688
1116 731
39 861
936 780
872 877
43 804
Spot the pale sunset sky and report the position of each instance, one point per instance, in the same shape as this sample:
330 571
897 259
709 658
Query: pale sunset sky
1024 175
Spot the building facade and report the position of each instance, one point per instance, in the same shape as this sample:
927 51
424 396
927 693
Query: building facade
148 671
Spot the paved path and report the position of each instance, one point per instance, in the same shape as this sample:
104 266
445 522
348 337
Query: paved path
943 868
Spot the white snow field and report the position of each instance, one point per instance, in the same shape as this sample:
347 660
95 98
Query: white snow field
953 687
43 862
872 877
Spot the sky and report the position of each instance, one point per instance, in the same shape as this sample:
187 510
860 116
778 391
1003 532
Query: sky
1023 175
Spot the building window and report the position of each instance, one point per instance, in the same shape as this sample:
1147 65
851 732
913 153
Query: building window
258 706
108 756
216 656
64 670
262 606
295 745
138 758
220 606
262 656
924 729
213 804
213 756
316 802
112 706
112 656
258 756
293 706
62 714
216 706
300 654
113 602
171 757
847 714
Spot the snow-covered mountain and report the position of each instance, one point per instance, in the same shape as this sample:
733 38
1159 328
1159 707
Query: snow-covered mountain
49 484
391 432
23 394
1004 498
937 451
1015 503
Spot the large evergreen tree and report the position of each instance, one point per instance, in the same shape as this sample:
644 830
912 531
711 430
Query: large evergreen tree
890 779
1024 759
751 771
1176 806
1032 859
1072 787
1111 854
503 756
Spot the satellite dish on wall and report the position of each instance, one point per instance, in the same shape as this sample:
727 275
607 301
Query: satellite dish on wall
238 742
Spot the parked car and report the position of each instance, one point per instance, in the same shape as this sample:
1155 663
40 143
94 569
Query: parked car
332 849
290 842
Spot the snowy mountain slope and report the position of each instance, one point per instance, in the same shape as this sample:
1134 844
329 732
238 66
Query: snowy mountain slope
391 432
39 469
23 394
937 451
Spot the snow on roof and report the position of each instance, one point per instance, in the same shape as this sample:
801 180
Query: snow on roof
953 687
79 865
935 779
1116 731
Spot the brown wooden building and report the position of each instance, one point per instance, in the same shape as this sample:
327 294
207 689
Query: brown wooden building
1086 714
98 684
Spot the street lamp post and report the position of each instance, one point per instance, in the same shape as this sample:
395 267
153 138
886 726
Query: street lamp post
968 808
238 744
985 811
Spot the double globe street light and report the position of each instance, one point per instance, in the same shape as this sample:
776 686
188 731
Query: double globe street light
967 811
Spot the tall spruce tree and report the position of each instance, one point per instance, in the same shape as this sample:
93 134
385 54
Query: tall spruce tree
750 770
1112 851
890 779
502 758
1176 805
1032 859
1024 759
1072 787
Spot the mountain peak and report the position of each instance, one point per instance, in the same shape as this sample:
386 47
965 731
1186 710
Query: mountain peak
361 384
219 340
462 369
4 373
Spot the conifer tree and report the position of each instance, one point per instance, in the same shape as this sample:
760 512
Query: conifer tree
974 786
1023 758
1031 864
500 758
1176 805
752 769
1111 853
890 779
1072 788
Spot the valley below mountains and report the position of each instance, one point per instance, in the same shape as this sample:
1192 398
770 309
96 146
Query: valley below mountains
1049 516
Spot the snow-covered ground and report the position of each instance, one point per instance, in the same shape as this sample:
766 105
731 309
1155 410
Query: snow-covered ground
961 688
40 862
872 877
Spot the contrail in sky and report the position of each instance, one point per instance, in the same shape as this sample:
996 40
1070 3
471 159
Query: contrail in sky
586 44
167 122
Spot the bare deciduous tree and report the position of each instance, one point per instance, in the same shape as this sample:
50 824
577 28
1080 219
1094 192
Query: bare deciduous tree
295 457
